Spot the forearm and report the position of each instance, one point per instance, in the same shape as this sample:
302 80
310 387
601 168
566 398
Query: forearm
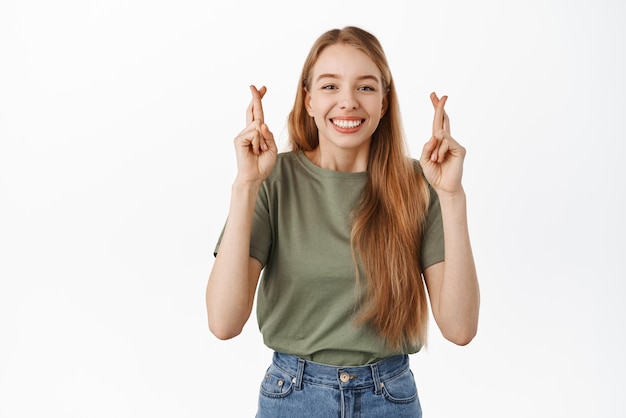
230 289
459 296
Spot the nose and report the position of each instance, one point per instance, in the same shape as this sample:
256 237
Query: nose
348 99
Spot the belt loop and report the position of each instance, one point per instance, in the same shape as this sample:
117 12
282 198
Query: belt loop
299 373
376 378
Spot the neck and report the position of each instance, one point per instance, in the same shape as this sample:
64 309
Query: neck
349 161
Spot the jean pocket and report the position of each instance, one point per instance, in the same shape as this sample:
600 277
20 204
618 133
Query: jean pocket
401 388
276 383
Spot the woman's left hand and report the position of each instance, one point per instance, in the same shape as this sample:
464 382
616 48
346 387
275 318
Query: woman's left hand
442 157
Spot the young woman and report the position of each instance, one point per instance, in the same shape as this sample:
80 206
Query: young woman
350 233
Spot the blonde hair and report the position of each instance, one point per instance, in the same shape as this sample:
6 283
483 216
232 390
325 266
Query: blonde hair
387 223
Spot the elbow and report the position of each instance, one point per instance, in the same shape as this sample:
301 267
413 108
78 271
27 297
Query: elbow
222 332
462 340
461 337
224 325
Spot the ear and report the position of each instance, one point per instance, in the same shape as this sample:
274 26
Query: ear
307 102
384 107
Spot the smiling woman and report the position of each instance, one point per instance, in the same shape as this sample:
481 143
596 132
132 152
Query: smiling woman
315 220
347 99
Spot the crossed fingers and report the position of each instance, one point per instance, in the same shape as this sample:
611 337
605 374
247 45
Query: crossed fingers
441 122
255 109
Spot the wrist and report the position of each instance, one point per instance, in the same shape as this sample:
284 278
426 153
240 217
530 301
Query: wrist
451 195
245 186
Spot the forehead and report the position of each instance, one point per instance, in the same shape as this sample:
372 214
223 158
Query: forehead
343 60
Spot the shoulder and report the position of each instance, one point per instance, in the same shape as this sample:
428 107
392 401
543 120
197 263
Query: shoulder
287 166
286 158
285 162
417 167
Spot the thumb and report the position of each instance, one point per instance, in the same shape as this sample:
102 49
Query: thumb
428 149
268 138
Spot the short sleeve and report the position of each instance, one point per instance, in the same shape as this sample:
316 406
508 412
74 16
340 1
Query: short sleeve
261 234
432 246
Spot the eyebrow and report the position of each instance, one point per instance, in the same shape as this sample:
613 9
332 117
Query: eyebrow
360 78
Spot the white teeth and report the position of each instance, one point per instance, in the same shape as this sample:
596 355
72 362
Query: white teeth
346 124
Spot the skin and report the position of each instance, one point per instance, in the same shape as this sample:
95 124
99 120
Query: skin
452 284
346 85
235 275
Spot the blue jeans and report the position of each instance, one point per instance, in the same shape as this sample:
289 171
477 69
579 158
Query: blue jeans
294 387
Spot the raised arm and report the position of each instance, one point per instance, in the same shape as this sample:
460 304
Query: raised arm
234 276
452 284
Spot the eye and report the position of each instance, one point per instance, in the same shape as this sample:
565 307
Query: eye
366 88
329 87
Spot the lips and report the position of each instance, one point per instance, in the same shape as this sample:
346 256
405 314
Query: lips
347 123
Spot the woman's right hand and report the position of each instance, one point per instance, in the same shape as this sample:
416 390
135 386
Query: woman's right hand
255 147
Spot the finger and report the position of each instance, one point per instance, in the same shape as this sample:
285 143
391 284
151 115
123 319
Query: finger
250 111
429 149
250 138
245 138
454 148
446 122
434 99
438 119
440 154
268 142
446 119
257 106
255 143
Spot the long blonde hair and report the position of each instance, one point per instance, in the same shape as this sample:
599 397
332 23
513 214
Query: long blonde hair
387 223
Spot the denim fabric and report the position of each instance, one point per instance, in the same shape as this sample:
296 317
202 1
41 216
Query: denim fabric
293 387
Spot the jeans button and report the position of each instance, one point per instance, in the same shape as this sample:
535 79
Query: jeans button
344 377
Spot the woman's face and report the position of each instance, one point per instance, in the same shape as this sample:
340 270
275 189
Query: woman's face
346 98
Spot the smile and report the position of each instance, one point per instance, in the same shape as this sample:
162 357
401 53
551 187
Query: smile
347 124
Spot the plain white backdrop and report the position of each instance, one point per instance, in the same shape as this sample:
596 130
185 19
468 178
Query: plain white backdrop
116 160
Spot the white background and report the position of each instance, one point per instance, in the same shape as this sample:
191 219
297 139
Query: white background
116 159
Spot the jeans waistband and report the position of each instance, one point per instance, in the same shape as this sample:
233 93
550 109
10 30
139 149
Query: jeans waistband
341 377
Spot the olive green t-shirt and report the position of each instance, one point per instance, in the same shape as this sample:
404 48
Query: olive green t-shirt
301 235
